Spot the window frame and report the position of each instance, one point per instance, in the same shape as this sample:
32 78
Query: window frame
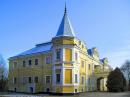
24 63
89 67
76 78
58 54
48 60
76 56
29 62
46 79
36 61
15 64
82 80
29 79
58 81
14 80
36 80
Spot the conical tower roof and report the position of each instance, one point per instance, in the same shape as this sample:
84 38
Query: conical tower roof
65 28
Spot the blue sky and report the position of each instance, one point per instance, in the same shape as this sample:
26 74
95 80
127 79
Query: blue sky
104 24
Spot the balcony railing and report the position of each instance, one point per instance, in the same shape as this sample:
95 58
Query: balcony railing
101 72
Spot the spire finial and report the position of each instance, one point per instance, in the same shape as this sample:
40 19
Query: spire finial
65 9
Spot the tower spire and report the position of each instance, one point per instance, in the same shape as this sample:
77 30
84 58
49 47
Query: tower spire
65 9
65 28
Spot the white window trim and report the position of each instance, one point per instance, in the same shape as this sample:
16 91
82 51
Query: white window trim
50 79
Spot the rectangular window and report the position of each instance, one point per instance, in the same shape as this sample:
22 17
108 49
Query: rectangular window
30 62
89 81
15 65
57 78
36 61
76 78
58 54
89 66
68 76
36 79
82 64
14 80
24 63
48 59
76 56
29 80
68 54
48 79
82 80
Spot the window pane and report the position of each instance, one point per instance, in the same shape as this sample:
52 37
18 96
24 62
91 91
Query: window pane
82 80
29 79
57 78
68 54
30 62
76 78
36 61
48 79
15 65
58 53
24 63
48 60
89 66
76 56
36 79
15 80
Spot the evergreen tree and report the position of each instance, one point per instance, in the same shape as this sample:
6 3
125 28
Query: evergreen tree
116 81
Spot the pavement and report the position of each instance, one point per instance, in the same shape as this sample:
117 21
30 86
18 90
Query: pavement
87 94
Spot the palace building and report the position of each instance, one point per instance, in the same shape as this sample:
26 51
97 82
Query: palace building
62 65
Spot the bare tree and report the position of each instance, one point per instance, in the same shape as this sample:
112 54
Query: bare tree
3 67
126 70
3 76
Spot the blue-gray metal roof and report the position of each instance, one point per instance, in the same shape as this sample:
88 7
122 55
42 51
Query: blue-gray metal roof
89 52
39 48
65 28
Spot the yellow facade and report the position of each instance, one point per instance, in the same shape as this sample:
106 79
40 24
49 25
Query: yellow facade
68 76
63 65
68 54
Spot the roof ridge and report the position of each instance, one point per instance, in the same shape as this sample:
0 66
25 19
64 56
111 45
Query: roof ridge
45 43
